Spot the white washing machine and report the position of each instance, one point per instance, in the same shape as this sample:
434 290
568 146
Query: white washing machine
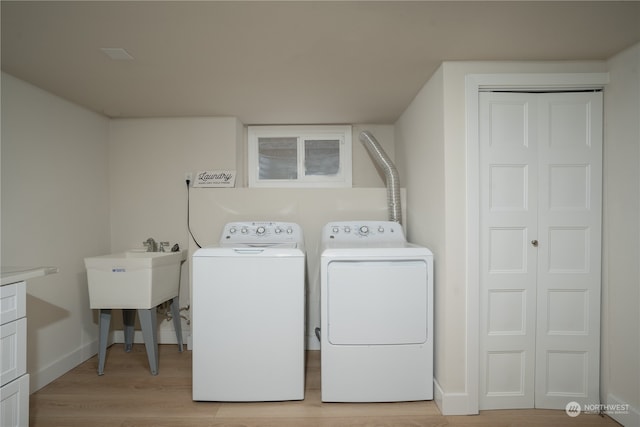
376 314
249 314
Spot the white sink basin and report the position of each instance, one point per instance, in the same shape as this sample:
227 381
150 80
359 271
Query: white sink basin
133 279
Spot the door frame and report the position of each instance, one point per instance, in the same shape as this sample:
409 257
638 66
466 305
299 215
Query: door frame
474 83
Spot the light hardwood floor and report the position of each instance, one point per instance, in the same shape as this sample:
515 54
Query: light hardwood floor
128 395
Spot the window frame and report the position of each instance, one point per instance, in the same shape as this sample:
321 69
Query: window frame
343 133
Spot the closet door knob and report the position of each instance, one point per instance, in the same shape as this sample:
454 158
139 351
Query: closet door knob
534 243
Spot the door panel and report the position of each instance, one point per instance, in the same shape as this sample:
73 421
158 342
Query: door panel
508 167
568 289
377 302
541 174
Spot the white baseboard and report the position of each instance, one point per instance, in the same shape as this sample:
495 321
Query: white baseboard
164 337
312 342
458 404
168 336
617 411
451 403
61 366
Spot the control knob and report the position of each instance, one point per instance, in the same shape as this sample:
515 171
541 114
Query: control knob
260 230
363 230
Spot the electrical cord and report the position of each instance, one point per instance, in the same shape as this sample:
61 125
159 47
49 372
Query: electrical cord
188 181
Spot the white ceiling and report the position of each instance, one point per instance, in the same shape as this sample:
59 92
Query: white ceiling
287 62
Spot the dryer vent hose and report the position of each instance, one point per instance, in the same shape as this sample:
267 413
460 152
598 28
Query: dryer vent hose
390 173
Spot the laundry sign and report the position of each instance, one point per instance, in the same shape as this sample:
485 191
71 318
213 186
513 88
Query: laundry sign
216 178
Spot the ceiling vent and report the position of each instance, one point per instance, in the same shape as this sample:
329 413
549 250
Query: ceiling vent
117 53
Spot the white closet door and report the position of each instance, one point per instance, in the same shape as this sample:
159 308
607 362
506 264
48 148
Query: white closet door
540 165
569 259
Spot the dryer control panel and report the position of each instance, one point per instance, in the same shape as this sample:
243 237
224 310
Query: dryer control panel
373 231
263 232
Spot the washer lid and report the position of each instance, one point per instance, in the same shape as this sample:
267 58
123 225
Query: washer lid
259 245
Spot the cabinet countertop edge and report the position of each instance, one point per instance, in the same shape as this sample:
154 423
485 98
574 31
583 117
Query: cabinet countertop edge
12 274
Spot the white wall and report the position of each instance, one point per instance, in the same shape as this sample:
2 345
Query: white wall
421 162
621 274
147 162
55 211
448 182
148 159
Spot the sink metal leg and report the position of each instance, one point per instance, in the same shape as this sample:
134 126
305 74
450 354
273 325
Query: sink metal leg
149 323
129 321
103 322
177 324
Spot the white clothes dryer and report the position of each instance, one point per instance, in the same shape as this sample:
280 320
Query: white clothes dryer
376 314
249 314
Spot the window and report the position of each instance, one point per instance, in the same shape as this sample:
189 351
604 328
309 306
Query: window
299 156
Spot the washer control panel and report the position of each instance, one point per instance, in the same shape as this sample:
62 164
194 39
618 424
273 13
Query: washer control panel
265 232
378 231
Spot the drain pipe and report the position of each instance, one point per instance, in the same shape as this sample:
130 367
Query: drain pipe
390 173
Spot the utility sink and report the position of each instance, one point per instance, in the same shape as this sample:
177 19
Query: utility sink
133 279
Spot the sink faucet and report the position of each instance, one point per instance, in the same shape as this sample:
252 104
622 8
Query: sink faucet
151 244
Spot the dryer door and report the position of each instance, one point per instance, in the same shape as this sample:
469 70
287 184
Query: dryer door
377 302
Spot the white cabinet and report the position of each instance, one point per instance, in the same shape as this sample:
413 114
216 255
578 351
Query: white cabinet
14 380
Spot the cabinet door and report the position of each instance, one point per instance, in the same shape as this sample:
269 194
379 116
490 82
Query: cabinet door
541 174
13 350
14 403
12 302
